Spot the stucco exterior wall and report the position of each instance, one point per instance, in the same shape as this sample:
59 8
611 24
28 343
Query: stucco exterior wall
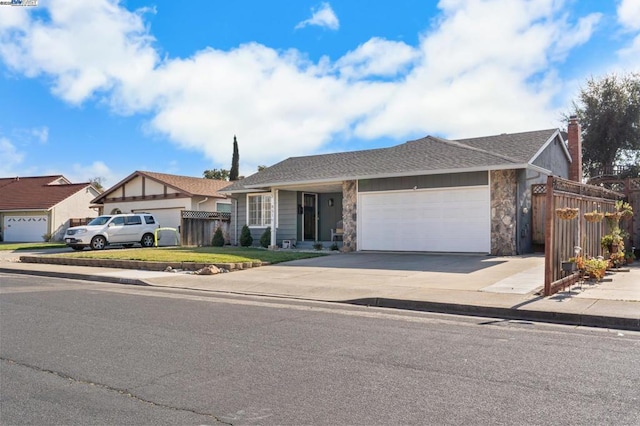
210 205
76 207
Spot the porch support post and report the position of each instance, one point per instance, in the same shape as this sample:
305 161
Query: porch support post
350 215
274 225
548 237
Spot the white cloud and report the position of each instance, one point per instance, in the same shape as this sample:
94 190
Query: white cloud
41 134
377 57
323 16
629 14
473 73
97 169
481 73
629 17
87 47
11 158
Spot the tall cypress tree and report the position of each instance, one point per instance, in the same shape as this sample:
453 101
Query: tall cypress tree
235 161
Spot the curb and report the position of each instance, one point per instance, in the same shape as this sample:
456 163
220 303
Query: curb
74 276
565 318
575 319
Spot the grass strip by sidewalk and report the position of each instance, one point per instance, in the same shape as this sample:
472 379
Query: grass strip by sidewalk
196 254
30 246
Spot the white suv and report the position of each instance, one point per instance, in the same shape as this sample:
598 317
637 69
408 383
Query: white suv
123 229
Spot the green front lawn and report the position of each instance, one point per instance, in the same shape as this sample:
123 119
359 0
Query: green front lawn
196 254
30 246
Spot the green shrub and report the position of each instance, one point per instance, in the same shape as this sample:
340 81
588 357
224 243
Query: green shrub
246 240
265 238
318 246
334 247
218 238
47 237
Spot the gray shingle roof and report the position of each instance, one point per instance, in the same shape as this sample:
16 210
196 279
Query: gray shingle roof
420 156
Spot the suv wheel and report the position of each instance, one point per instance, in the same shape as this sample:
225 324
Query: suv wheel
98 242
147 240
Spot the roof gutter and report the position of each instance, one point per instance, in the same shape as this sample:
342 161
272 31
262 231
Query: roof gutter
261 186
26 210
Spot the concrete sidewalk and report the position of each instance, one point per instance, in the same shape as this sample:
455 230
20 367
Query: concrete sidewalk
485 286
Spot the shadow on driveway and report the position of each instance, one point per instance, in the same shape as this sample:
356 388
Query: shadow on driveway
390 261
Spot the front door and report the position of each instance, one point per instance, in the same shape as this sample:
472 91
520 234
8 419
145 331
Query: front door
310 222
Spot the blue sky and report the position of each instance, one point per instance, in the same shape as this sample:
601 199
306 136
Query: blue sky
102 88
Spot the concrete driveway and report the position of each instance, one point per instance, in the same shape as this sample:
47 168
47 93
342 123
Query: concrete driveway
346 276
516 274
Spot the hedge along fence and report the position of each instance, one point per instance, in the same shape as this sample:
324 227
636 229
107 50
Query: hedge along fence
563 204
197 227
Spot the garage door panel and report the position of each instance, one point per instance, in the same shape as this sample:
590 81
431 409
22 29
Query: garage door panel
25 228
447 220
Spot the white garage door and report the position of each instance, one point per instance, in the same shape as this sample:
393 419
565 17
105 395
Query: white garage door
25 228
442 220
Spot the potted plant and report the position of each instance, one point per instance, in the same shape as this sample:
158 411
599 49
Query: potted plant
629 256
594 216
613 242
569 266
596 267
625 209
567 213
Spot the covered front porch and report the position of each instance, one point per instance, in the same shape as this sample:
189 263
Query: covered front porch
307 216
297 214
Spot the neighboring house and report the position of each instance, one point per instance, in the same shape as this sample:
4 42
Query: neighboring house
164 195
430 194
32 207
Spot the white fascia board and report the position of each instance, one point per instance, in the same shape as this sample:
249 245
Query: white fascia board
548 142
27 210
539 169
247 190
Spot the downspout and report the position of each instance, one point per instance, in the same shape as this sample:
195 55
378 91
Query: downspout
274 206
203 201
235 222
52 218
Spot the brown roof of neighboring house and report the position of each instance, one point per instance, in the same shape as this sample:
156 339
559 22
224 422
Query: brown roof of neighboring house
191 186
36 192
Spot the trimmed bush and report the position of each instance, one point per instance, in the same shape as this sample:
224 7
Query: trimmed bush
218 238
265 238
246 240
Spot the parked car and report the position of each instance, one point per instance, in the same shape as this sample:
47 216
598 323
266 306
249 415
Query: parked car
117 229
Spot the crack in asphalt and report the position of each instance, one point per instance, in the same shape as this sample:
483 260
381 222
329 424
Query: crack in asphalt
123 392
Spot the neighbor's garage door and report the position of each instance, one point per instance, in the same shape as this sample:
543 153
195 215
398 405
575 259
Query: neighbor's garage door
442 220
25 228
167 218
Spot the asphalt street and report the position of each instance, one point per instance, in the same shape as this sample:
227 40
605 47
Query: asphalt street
77 352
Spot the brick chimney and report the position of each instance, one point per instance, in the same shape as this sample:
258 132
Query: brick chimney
575 149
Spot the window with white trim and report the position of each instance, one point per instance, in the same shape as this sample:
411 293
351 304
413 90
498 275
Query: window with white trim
259 210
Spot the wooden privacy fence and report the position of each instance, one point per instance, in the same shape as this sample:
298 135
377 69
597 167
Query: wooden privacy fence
552 204
197 227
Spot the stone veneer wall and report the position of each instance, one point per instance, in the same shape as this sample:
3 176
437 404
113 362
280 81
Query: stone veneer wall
504 205
350 215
